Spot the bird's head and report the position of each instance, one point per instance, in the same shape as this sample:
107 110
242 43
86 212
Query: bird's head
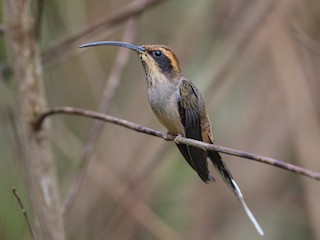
157 60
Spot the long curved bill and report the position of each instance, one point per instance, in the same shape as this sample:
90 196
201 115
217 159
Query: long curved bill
139 49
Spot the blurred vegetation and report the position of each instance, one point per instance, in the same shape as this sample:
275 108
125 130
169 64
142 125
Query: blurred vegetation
257 65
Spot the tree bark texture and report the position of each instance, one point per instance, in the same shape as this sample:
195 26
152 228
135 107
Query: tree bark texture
24 49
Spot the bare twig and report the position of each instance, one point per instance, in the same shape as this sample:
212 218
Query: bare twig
25 214
99 116
108 93
63 46
177 139
248 155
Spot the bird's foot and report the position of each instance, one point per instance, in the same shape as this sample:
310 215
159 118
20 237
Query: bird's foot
169 137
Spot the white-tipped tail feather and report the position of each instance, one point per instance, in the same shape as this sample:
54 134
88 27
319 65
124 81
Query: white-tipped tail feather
247 210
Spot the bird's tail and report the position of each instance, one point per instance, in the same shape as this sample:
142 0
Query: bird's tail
227 177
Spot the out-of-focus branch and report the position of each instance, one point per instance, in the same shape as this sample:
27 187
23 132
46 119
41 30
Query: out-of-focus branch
115 187
108 93
305 41
243 40
62 47
136 207
38 161
300 107
134 181
177 139
25 214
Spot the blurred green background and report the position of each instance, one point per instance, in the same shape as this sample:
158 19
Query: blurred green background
257 65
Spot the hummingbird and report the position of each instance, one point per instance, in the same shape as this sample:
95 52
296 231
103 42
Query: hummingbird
179 106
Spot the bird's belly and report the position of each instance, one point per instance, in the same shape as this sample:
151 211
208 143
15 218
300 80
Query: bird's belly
165 107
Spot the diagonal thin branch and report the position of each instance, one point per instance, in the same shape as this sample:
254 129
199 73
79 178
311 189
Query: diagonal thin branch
25 214
178 139
63 46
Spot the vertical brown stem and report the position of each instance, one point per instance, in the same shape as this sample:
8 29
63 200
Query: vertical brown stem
37 154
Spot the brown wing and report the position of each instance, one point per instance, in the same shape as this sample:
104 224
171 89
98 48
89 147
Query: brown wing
188 106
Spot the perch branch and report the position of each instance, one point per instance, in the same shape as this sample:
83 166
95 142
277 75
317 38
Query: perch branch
176 139
23 210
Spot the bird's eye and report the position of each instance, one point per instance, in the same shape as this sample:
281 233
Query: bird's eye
157 53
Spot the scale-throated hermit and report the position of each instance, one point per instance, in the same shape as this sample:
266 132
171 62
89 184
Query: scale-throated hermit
178 105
